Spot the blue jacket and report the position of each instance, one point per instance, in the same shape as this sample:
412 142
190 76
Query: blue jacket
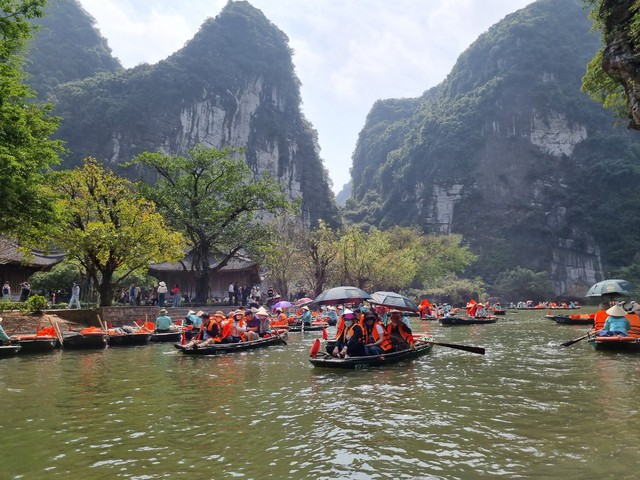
620 324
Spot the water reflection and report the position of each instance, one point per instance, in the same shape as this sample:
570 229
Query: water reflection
525 409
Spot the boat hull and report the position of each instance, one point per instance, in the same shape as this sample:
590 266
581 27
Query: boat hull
621 344
9 350
567 320
467 320
128 339
366 362
79 341
222 348
36 344
166 337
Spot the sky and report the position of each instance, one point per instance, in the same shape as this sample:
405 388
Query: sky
348 53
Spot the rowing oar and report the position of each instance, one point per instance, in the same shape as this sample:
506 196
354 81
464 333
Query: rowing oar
277 333
466 348
575 340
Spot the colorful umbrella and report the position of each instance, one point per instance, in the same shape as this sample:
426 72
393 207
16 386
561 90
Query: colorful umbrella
340 295
393 300
282 304
302 302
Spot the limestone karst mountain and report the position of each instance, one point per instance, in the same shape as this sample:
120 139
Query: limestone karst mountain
508 152
233 84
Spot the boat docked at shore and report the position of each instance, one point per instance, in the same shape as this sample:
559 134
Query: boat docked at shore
86 338
35 343
222 348
119 337
9 350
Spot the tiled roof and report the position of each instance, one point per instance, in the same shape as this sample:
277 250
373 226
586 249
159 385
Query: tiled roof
9 254
235 264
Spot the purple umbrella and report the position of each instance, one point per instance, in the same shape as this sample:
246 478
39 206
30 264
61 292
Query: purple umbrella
282 304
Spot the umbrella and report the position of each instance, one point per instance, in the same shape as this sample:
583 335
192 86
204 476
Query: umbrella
613 288
282 304
302 302
393 300
340 295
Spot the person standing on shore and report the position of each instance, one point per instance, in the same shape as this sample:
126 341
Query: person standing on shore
6 292
162 292
25 291
75 296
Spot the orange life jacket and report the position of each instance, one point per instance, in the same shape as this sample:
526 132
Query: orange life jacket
340 328
402 329
386 343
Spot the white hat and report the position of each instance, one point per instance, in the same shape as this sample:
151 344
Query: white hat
305 308
162 284
616 311
200 313
262 311
347 312
190 312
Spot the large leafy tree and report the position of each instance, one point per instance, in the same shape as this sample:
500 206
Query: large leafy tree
109 228
26 150
213 197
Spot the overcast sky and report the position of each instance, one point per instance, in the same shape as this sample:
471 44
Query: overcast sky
348 53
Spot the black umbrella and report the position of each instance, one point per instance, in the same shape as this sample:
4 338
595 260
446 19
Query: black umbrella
612 288
393 300
340 295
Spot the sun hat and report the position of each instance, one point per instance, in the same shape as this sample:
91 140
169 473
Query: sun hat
200 313
190 312
616 311
163 311
305 308
262 311
394 310
238 312
348 313
278 309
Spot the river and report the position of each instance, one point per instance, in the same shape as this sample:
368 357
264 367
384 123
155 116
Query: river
526 409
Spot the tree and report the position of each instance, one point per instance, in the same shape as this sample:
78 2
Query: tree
442 256
523 283
319 249
612 78
108 227
26 150
213 198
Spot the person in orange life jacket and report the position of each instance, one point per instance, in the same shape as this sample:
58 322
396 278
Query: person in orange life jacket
281 317
209 333
399 332
252 324
616 324
345 323
237 332
376 338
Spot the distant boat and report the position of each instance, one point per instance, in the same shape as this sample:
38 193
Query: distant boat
584 319
468 320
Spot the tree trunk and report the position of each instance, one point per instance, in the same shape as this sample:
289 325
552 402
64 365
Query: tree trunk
105 289
202 276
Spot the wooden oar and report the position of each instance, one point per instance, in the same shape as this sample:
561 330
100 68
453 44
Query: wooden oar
466 348
277 333
575 340
56 330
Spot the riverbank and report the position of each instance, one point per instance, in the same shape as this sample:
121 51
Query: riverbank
19 322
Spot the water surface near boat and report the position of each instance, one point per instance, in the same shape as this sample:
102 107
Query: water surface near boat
527 409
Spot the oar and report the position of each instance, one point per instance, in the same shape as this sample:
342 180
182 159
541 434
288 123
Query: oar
466 348
277 333
575 340
57 331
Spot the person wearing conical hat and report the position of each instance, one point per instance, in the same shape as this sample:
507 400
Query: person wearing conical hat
163 322
616 324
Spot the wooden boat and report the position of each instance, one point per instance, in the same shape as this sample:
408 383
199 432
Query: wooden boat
585 319
123 338
468 320
363 363
35 343
221 348
85 339
157 337
624 344
314 327
498 312
9 350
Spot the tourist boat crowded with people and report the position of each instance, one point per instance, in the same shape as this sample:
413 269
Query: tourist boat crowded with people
221 348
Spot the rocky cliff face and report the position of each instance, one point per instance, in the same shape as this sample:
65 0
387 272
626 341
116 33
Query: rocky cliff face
508 152
233 84
621 55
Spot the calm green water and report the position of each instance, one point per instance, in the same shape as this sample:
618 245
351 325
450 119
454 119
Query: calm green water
527 409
